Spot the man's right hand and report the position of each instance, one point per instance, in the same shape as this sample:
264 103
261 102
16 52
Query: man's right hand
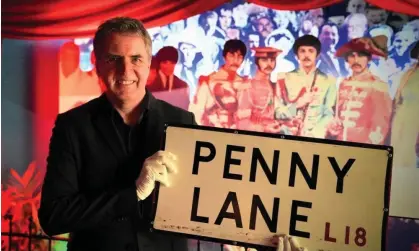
157 167
306 99
335 127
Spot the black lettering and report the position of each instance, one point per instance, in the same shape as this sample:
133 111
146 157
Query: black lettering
257 157
340 174
297 217
199 158
230 199
311 180
230 161
194 211
272 223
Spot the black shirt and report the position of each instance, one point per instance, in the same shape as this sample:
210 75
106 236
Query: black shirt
130 135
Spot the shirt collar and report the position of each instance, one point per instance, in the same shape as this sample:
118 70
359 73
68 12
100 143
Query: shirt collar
146 105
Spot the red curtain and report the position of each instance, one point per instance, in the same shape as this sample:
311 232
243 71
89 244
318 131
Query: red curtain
36 19
409 7
295 4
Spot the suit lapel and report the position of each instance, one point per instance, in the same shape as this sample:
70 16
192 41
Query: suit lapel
103 123
154 126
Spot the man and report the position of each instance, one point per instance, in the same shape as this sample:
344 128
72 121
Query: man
328 63
405 126
364 105
355 26
104 160
215 103
376 15
167 86
165 80
307 95
256 101
104 156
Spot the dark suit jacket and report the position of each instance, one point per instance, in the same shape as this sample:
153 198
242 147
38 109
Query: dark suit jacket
157 84
89 188
326 65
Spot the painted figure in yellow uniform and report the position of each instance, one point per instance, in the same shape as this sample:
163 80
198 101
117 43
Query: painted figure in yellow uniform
215 102
405 126
364 104
307 95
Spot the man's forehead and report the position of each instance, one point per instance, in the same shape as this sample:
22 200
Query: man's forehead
306 47
235 53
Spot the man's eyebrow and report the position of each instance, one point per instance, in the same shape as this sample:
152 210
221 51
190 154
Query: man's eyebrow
113 55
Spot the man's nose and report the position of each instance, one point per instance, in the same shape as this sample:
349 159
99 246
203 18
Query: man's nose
124 66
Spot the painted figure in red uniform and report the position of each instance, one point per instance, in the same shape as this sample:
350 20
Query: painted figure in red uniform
364 104
257 97
215 103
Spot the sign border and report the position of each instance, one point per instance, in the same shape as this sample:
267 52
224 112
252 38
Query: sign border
387 181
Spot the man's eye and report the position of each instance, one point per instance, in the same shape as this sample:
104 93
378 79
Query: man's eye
111 59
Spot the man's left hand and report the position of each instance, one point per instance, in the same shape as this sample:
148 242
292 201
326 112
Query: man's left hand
288 243
283 243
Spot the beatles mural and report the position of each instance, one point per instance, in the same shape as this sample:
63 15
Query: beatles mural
348 72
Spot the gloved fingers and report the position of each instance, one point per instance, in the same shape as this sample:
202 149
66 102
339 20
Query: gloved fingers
156 168
170 163
280 246
163 179
294 243
162 153
287 244
167 159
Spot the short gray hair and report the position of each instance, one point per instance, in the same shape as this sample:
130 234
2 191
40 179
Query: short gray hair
120 25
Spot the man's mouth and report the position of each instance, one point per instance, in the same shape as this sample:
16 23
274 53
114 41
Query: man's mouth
125 82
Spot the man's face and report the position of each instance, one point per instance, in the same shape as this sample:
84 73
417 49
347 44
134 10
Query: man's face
317 17
264 27
402 41
329 36
240 15
124 66
266 65
281 19
376 16
189 52
225 18
167 67
307 56
357 62
212 20
253 41
233 33
356 28
233 61
356 6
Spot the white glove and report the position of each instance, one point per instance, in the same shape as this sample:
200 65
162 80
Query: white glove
283 243
288 243
155 168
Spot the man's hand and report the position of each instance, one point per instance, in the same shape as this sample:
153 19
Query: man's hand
306 99
335 127
288 243
155 168
283 243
